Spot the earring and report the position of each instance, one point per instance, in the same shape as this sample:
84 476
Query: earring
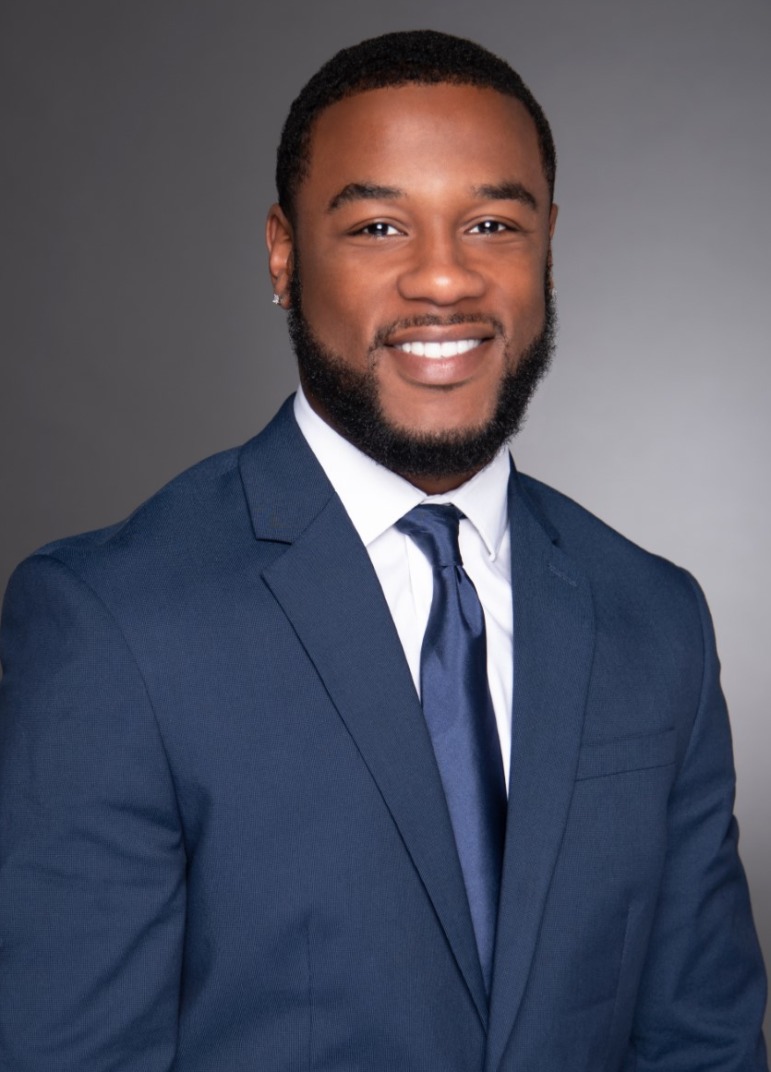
276 298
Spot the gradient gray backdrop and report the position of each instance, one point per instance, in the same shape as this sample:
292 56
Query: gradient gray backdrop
137 332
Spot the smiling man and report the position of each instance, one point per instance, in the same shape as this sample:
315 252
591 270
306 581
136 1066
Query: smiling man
353 748
422 315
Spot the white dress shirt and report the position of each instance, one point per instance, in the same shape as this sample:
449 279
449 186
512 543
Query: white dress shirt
376 498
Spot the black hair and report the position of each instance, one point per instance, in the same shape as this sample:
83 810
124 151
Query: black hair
425 57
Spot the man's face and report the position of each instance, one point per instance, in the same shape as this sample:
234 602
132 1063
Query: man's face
419 254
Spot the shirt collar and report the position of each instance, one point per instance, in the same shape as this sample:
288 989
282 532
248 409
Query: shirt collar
375 497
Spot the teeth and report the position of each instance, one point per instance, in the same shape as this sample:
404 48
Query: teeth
439 349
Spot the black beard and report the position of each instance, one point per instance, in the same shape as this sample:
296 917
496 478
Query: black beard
349 399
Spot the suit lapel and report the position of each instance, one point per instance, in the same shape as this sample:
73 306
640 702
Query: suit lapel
553 644
326 586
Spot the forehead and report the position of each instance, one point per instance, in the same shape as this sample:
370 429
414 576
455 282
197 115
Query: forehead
420 134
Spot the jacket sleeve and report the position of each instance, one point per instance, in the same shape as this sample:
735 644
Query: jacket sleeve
92 862
701 1002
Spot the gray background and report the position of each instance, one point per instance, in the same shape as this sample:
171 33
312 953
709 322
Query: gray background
138 335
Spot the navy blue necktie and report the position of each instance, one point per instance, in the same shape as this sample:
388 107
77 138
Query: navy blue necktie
461 722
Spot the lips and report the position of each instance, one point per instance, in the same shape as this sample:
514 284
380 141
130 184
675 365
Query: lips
427 338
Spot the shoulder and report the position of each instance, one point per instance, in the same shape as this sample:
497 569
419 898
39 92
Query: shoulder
625 578
122 574
191 523
187 538
587 537
178 522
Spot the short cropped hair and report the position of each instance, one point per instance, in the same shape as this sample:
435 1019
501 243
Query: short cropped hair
424 57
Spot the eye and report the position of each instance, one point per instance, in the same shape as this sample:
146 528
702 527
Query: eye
378 229
491 227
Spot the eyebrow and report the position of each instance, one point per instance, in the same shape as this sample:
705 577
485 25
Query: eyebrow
370 191
507 191
363 191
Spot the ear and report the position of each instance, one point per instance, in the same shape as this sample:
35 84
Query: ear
279 237
553 211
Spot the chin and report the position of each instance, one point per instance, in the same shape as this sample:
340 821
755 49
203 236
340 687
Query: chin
441 415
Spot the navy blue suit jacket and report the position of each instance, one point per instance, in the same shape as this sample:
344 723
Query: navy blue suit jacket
223 839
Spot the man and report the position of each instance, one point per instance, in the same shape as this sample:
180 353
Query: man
352 748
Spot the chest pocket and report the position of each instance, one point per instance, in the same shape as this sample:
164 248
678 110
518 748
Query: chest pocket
597 759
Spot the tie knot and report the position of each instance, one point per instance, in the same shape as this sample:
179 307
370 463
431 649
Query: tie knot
434 528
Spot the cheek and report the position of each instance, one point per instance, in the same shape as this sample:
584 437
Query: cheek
344 308
318 285
523 302
336 320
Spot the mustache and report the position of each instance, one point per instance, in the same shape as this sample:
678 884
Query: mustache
431 320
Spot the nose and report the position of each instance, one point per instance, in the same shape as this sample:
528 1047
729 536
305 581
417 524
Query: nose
439 272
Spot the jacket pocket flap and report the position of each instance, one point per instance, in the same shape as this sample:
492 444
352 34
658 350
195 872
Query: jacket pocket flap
599 758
